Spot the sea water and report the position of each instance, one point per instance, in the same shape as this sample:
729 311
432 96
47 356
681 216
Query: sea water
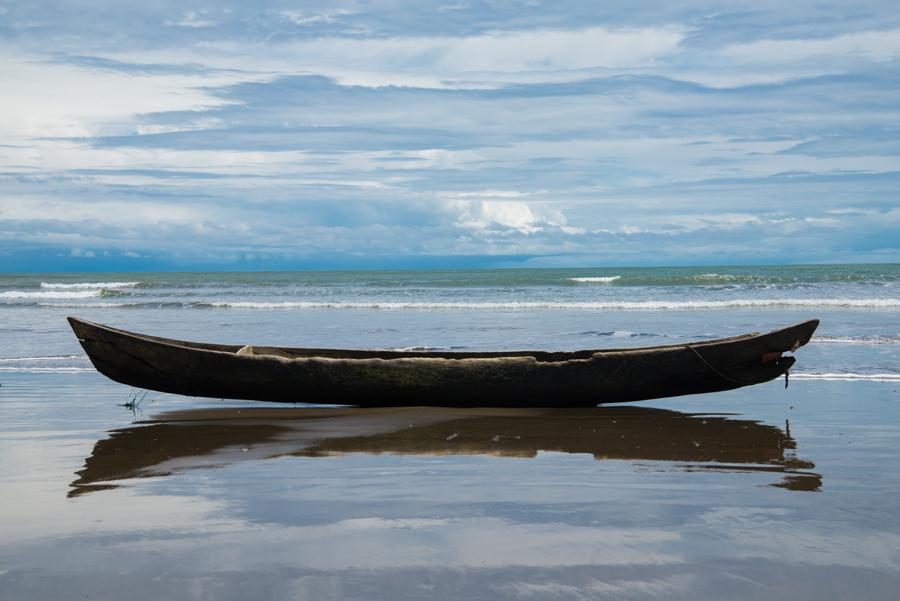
107 492
554 309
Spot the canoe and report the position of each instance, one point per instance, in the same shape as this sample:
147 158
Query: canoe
384 378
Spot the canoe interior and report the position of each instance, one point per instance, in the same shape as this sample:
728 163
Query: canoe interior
337 353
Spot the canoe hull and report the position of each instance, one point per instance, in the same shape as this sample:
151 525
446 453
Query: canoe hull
383 378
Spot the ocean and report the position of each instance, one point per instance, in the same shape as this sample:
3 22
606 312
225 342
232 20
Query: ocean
757 493
554 309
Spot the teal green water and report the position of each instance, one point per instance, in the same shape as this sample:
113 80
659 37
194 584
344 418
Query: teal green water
874 274
859 306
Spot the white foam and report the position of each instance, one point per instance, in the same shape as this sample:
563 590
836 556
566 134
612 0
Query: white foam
46 369
866 340
89 285
88 305
596 280
846 377
833 303
21 294
415 349
30 359
592 305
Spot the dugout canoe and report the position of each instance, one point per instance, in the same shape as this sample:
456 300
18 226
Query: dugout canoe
383 378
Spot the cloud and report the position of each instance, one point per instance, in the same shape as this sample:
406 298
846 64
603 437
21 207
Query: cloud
304 19
492 130
111 213
519 217
548 50
881 46
49 99
514 215
436 61
192 19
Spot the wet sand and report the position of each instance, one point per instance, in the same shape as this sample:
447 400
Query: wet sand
757 493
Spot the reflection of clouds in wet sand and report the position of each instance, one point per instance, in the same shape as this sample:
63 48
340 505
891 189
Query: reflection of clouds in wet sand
614 588
711 580
756 532
46 515
744 548
484 542
185 440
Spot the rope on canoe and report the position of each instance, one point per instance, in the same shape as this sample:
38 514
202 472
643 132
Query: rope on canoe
714 370
728 378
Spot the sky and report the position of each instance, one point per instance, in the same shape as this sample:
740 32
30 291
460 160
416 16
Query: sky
279 135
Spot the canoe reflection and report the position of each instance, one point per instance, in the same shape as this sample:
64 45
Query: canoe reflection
205 438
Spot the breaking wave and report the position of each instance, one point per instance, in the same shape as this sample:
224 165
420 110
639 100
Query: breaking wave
753 280
89 285
596 280
23 295
621 334
45 363
846 377
33 359
834 303
867 340
46 369
419 349
60 294
718 277
595 305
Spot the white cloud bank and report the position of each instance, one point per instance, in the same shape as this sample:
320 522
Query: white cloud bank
866 45
47 99
437 61
495 216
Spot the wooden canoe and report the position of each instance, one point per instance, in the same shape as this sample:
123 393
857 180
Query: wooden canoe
380 378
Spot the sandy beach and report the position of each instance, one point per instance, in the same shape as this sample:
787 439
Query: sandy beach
733 494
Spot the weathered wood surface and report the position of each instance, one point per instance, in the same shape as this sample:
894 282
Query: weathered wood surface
400 378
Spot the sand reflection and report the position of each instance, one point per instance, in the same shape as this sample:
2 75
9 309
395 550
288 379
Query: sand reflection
207 438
